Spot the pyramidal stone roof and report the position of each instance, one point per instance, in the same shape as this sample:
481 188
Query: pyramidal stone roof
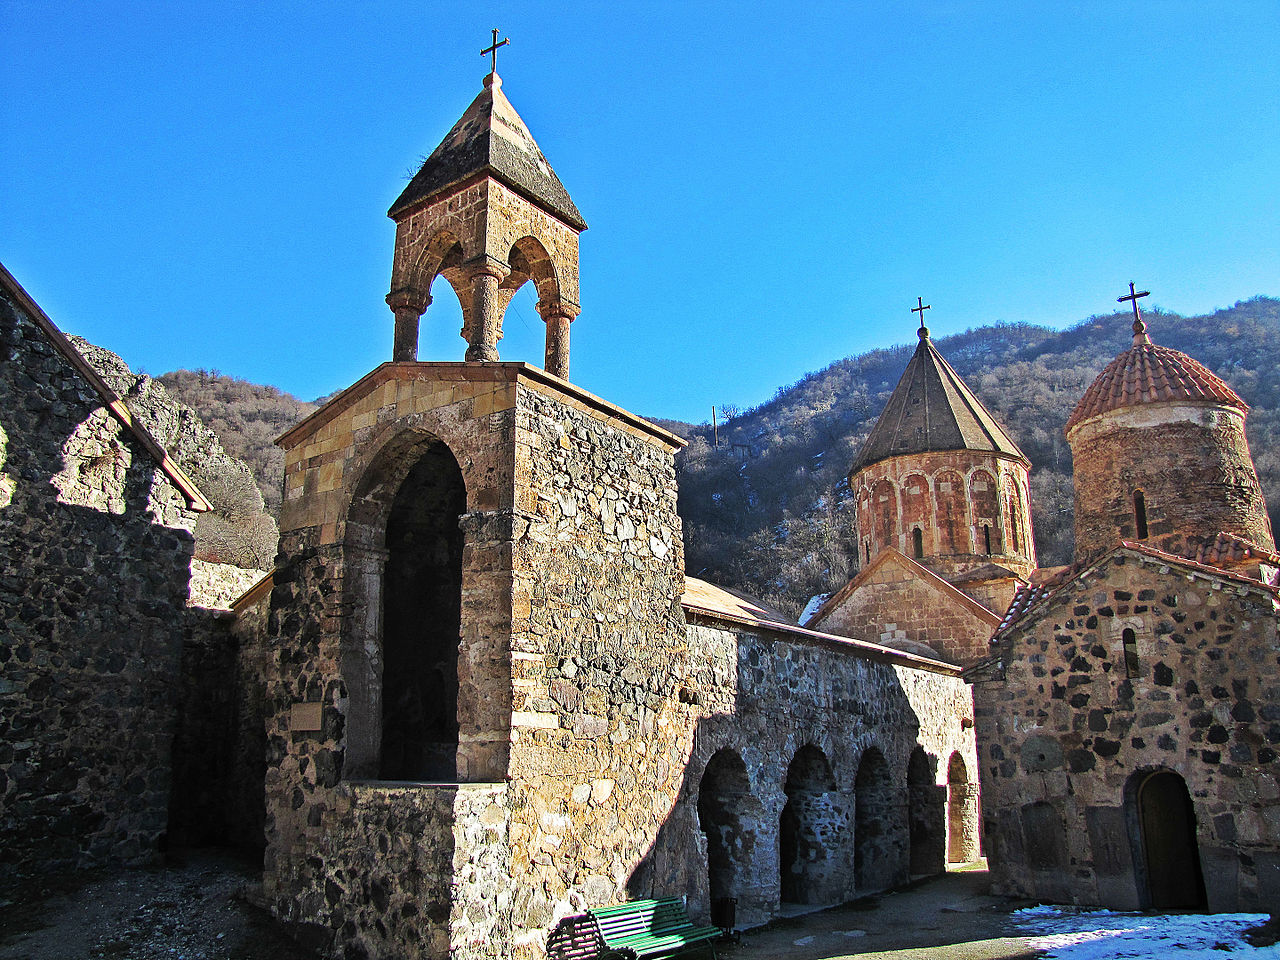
1146 373
491 138
932 409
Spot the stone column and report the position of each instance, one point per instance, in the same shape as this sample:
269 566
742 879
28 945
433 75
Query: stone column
558 314
486 317
408 305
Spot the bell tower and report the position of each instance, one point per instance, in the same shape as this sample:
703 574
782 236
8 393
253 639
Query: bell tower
486 212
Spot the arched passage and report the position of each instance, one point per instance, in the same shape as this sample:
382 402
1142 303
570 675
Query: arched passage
875 824
810 831
962 813
722 794
924 815
1162 825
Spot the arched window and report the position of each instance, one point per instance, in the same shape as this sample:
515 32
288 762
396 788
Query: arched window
884 508
917 543
952 512
986 538
1140 513
985 501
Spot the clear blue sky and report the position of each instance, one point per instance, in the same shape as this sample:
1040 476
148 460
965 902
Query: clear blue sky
769 186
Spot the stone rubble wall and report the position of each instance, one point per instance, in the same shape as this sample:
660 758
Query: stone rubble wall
764 696
216 585
1064 729
96 547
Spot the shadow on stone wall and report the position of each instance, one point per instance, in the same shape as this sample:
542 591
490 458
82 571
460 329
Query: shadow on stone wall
799 792
92 597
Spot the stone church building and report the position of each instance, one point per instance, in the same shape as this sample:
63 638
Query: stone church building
942 519
478 694
1129 712
494 699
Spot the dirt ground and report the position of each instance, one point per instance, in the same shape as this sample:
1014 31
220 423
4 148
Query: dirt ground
194 908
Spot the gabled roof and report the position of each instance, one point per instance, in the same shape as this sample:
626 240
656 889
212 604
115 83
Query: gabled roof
1035 598
115 404
1146 373
921 572
491 138
933 409
705 600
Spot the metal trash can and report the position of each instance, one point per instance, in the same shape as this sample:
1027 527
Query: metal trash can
724 913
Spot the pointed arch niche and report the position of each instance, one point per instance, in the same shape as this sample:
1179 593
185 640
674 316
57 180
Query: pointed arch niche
403 585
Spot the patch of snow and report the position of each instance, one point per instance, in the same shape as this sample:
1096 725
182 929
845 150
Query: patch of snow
1104 934
811 607
802 942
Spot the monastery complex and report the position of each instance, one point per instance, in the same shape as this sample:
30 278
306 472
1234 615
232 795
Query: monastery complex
478 694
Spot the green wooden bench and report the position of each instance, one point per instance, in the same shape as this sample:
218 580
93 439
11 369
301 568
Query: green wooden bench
650 928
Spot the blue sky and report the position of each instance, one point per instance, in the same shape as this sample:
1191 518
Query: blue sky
769 186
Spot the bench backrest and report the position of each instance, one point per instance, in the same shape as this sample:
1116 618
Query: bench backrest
641 917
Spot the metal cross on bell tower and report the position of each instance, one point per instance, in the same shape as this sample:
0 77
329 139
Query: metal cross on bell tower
920 308
492 51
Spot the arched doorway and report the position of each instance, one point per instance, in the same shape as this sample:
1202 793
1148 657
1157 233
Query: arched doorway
962 813
722 793
924 815
1162 823
875 824
810 830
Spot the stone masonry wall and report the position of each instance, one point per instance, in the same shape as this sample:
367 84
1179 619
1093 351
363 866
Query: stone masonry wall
570 566
762 696
920 612
1191 463
1064 731
96 547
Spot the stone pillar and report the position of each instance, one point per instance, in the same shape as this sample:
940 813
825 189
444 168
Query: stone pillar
408 305
558 314
486 315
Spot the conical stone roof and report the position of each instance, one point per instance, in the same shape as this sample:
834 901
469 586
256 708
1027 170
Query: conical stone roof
932 409
1147 373
491 138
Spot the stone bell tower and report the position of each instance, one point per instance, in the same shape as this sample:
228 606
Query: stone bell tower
486 212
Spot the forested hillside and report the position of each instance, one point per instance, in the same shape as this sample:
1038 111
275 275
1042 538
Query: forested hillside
765 511
247 416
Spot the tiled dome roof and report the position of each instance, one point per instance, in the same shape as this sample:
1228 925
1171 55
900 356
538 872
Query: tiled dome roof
1146 373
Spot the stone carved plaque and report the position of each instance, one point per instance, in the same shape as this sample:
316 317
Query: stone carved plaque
304 717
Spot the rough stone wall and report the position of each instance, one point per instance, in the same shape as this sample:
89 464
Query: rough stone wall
216 585
96 547
570 664
923 488
893 603
1064 729
1192 464
762 696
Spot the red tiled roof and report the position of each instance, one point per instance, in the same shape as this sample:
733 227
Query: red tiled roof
1147 373
1229 548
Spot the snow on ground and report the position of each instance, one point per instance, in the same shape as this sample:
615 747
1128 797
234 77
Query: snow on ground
1105 934
811 607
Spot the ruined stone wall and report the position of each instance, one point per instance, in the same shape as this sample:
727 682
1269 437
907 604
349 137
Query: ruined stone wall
96 548
1064 731
942 494
1190 461
763 696
892 603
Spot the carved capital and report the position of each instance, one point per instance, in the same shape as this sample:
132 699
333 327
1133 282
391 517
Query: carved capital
559 308
409 298
485 265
